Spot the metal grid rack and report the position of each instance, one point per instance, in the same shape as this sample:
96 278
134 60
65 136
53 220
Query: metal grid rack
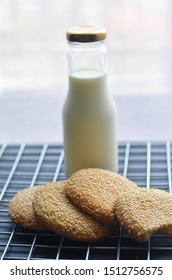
147 164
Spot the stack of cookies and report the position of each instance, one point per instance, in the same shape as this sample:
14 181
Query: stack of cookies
91 205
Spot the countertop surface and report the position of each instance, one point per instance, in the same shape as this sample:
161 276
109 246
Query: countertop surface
37 117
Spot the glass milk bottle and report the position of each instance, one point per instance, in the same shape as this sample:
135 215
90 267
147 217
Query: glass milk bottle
89 112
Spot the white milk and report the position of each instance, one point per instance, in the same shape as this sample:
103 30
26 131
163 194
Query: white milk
89 123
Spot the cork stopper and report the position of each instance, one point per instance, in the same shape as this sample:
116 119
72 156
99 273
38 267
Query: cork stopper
85 34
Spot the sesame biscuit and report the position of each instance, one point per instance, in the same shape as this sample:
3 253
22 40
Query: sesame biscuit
95 191
20 209
59 214
145 212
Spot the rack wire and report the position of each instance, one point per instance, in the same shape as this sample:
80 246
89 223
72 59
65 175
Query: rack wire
148 164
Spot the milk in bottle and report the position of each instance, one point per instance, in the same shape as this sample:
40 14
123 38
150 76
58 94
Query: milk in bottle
89 112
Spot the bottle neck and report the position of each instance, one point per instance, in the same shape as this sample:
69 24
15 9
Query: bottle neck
86 56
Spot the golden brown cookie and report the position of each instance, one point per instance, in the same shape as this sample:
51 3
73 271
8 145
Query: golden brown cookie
20 209
145 212
94 191
59 214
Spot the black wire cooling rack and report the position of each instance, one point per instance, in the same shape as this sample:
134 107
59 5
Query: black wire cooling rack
148 164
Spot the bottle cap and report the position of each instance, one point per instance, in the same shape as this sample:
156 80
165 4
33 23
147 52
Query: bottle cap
85 34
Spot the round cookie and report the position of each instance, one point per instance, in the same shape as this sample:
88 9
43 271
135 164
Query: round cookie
145 212
59 214
20 209
95 191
